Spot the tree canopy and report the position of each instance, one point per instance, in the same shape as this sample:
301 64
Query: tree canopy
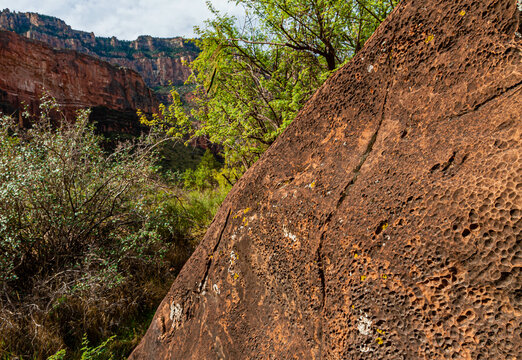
254 74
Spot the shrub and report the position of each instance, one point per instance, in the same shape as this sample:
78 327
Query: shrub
61 197
206 174
89 241
87 352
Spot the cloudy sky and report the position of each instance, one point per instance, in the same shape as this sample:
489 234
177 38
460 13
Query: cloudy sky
126 19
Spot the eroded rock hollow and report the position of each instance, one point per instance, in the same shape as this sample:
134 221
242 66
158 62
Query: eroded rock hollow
385 222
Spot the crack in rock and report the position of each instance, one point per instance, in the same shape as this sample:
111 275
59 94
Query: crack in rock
209 262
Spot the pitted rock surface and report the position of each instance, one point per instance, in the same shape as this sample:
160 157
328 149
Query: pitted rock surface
385 222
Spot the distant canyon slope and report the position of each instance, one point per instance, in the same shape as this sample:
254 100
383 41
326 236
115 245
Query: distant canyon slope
29 68
158 60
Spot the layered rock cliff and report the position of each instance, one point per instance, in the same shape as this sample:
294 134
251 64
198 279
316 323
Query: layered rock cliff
158 60
385 222
28 68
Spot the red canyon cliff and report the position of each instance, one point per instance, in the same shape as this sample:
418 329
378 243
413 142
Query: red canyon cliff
158 60
385 223
29 67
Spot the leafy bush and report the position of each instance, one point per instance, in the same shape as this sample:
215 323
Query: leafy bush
87 352
89 241
206 174
61 197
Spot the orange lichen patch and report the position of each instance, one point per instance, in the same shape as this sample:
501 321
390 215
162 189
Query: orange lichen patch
241 212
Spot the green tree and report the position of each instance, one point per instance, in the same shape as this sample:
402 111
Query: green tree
253 77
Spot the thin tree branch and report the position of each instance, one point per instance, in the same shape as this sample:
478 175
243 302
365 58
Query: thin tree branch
369 11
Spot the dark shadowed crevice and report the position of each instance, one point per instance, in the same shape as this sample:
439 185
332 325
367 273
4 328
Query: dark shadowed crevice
511 89
449 163
211 255
320 267
344 193
357 170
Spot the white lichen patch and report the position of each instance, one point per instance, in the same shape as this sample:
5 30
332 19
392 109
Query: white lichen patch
289 235
365 349
519 5
364 325
202 287
215 287
233 260
370 68
176 311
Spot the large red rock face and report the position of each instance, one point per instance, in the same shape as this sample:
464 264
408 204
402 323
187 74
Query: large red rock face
385 222
159 61
77 81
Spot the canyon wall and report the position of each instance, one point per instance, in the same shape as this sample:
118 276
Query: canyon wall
158 60
28 68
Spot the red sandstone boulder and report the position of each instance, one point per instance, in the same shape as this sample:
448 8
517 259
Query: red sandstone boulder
385 223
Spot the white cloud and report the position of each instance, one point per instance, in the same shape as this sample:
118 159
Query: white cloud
127 19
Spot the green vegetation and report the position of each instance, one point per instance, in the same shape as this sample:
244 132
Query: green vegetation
124 48
87 352
89 241
252 78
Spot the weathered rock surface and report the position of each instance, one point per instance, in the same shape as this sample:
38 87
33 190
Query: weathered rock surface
158 60
76 80
385 223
